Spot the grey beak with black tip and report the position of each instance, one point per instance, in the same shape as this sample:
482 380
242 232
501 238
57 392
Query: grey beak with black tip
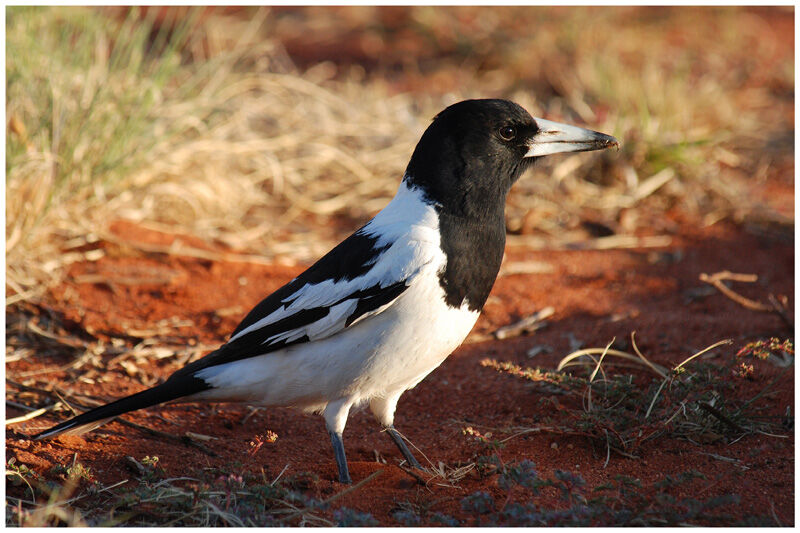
554 138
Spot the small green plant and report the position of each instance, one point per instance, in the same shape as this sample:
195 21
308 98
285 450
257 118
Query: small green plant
692 400
50 503
18 473
152 462
152 471
76 470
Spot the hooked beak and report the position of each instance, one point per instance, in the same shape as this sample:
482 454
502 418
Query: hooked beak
553 138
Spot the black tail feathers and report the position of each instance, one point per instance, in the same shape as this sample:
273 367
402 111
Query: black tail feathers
174 388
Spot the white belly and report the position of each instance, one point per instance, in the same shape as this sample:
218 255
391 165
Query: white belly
418 332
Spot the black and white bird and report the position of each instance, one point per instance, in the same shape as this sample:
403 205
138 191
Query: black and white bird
386 306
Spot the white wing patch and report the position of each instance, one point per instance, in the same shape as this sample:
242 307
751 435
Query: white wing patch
329 324
409 226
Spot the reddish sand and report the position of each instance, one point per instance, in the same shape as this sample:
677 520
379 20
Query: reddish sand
597 295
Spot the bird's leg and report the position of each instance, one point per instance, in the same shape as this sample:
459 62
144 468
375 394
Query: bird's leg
335 415
412 461
383 409
341 460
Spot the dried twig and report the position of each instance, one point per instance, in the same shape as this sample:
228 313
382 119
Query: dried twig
179 249
338 495
780 308
476 336
527 324
611 242
568 359
716 280
410 472
526 267
32 414
719 416
354 487
67 340
135 465
185 439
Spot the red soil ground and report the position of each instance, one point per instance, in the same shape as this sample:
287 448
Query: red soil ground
597 295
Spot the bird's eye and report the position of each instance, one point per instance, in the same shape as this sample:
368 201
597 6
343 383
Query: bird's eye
508 132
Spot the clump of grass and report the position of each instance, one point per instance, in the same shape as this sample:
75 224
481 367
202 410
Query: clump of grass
77 470
218 498
51 503
127 124
82 95
691 400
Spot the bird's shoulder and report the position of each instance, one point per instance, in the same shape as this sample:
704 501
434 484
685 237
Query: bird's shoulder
387 251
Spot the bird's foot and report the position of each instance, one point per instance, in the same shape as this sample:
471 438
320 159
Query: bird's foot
398 440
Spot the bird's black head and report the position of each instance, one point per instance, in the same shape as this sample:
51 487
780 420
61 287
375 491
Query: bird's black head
471 155
473 152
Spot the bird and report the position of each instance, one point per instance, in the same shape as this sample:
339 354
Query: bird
384 308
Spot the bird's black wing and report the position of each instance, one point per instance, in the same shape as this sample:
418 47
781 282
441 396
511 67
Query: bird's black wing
359 277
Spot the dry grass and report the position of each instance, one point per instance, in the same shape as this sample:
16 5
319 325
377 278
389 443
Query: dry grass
215 132
693 401
237 158
229 500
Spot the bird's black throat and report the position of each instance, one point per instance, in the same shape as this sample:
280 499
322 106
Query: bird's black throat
472 236
474 251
